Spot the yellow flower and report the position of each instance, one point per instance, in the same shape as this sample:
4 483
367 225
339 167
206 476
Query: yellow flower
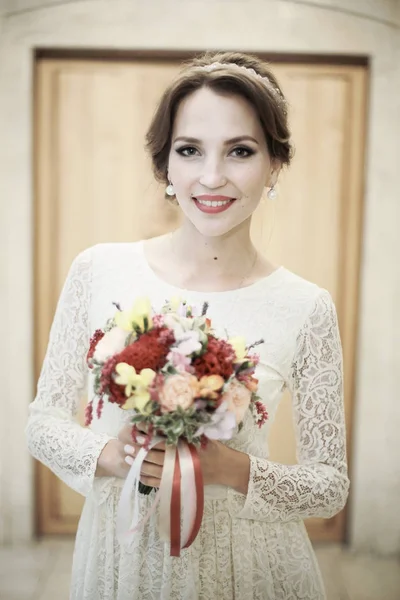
133 319
140 402
136 386
239 346
210 385
175 302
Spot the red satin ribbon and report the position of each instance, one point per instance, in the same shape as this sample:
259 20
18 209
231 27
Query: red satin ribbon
175 512
198 478
176 509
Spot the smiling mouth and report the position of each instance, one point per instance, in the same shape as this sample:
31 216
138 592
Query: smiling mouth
213 202
215 205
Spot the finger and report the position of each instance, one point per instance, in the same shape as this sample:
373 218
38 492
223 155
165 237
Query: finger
125 434
131 450
155 457
150 467
142 427
140 439
149 470
129 460
160 446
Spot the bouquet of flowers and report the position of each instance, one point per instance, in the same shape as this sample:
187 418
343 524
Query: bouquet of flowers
183 383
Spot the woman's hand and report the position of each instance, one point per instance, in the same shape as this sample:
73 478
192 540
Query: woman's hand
220 464
152 466
212 462
117 457
212 459
111 462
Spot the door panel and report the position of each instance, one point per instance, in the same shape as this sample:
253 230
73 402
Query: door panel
94 184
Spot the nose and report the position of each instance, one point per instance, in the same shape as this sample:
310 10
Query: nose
212 176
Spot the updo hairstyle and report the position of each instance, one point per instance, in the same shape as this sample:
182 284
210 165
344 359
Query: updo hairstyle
256 83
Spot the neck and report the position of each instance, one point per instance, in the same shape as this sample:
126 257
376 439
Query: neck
230 254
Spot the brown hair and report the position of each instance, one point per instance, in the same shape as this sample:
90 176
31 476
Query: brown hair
267 100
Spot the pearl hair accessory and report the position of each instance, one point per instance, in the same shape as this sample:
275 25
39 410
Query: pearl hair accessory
275 91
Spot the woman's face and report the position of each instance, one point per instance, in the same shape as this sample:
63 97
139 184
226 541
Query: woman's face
219 162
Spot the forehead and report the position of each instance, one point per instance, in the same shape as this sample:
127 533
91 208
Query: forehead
207 111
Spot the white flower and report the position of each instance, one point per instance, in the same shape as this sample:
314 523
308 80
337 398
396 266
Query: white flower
187 343
176 323
221 426
181 326
111 343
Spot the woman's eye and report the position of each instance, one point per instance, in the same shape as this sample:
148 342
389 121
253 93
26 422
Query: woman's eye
243 152
240 151
187 151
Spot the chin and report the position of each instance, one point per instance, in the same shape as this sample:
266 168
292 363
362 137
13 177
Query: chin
217 230
213 225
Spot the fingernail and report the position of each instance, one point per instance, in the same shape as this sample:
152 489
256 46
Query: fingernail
129 460
129 449
140 439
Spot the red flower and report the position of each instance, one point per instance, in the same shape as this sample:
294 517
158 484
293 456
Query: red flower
96 337
107 384
262 414
217 360
88 413
116 393
149 351
100 407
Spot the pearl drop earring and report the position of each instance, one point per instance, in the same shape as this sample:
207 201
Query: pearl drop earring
170 190
272 193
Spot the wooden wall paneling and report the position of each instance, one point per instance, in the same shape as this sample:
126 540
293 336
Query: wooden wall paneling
94 184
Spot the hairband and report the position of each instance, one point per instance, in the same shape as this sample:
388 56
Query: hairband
267 82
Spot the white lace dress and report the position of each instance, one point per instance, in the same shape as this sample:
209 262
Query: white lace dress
252 546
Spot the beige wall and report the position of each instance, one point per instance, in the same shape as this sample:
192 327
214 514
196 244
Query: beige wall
321 26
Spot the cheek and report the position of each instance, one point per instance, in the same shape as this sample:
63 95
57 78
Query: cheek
251 175
181 181
251 183
181 171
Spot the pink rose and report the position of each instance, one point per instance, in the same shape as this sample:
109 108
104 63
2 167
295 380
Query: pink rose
238 398
179 361
178 390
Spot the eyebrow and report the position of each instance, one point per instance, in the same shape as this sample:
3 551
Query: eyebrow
234 140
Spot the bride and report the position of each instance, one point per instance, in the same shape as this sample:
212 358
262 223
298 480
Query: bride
218 139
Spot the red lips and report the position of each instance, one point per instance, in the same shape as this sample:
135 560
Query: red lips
213 198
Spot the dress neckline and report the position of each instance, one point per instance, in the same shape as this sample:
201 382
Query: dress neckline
263 282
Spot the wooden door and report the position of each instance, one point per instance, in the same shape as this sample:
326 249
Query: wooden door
94 184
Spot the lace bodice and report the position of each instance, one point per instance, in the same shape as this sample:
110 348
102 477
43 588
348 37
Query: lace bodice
302 351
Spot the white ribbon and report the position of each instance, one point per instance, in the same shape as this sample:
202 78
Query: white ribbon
164 519
188 491
127 522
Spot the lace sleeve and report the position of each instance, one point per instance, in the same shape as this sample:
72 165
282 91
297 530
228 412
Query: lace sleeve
318 486
53 436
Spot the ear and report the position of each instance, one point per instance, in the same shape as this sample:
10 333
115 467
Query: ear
273 174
